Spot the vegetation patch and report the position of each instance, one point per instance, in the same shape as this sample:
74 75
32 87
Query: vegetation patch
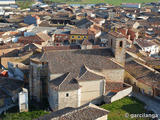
119 110
24 115
114 2
24 4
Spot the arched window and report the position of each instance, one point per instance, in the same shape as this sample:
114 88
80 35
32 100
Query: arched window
121 44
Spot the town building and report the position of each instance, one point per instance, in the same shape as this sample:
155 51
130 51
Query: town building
7 2
72 78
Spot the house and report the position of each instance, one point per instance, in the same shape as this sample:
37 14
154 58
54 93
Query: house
8 48
82 113
40 38
142 79
9 36
71 78
83 23
61 37
2 12
94 31
7 2
78 35
131 5
32 19
98 21
147 46
9 89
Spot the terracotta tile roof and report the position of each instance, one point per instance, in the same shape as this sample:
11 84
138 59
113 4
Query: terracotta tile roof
67 47
79 31
11 45
142 74
115 86
144 43
94 30
122 31
117 35
86 42
43 36
132 34
31 39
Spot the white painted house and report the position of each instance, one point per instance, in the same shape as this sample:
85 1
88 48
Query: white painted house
2 12
7 2
147 46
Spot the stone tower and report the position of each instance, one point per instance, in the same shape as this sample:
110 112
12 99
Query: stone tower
117 43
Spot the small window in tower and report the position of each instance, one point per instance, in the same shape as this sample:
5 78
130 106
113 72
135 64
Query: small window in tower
111 42
121 44
67 94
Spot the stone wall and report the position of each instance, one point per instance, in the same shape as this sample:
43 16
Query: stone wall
117 48
67 99
53 98
34 82
144 88
115 75
91 90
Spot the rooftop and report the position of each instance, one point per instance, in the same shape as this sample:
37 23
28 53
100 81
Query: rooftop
79 31
69 81
8 85
73 60
142 74
89 112
115 86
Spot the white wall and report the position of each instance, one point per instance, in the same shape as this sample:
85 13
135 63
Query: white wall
121 94
7 2
91 90
152 49
67 101
53 98
105 117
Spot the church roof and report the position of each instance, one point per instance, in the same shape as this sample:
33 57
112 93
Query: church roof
73 60
70 81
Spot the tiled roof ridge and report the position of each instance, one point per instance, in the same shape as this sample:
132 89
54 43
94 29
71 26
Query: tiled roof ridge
75 110
82 108
83 73
68 73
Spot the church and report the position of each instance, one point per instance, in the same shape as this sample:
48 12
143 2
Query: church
72 78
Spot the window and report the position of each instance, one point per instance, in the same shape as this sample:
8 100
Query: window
121 44
111 42
67 94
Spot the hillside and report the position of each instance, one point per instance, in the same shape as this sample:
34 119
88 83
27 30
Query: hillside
114 2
